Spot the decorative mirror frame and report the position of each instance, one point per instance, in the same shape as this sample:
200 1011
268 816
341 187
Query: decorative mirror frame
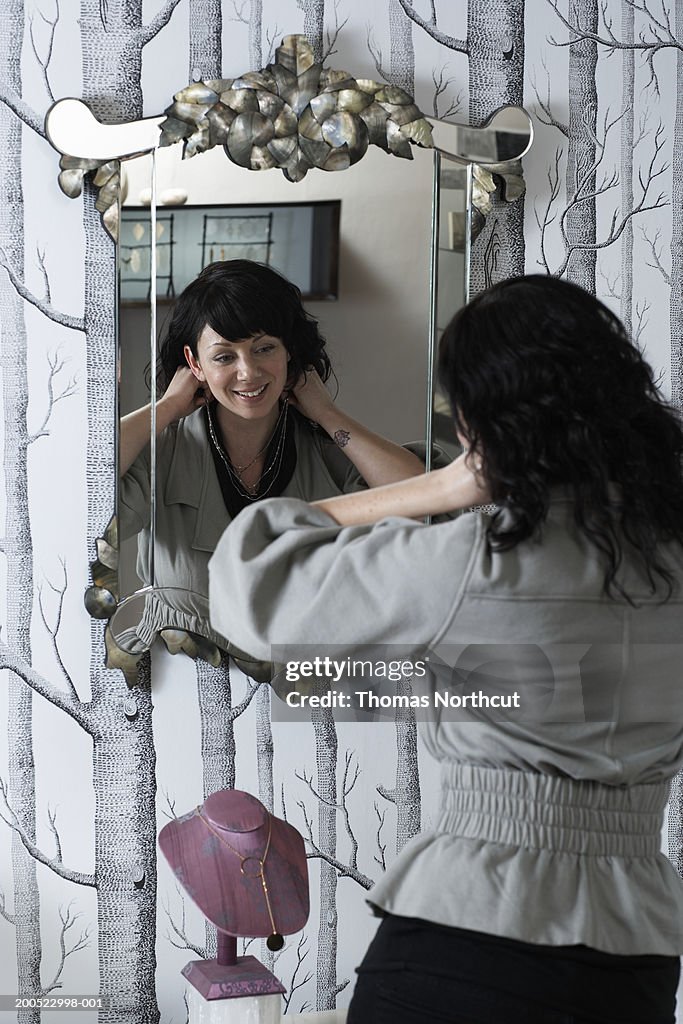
294 115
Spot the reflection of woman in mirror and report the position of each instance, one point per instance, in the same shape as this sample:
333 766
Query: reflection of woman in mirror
541 893
245 414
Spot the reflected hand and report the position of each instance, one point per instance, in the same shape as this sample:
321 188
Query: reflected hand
184 394
310 396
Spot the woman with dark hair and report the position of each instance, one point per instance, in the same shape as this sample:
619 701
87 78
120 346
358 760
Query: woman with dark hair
540 894
244 414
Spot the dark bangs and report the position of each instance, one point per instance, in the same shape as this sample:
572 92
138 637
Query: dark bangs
238 305
238 299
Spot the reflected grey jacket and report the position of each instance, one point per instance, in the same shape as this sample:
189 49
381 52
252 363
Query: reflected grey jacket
550 827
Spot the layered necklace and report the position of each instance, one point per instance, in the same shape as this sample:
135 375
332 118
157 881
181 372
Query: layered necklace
275 941
247 491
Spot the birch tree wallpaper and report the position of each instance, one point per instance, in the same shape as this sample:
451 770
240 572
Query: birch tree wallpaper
91 769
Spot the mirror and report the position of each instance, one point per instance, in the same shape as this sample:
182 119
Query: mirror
376 327
382 292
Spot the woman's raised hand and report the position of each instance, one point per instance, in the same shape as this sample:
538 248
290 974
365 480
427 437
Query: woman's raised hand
183 395
310 396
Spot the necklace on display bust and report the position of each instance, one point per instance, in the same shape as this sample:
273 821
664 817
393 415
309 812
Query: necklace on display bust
275 941
250 491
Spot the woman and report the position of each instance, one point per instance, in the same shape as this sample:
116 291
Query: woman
244 415
541 894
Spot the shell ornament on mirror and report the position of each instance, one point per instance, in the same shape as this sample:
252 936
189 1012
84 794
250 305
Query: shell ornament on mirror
293 115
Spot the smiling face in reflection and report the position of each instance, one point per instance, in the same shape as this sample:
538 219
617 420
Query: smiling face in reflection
245 377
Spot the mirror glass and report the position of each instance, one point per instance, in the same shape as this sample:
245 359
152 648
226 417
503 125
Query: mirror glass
452 244
375 319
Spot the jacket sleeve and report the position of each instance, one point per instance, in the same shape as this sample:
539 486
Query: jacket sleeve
284 573
134 497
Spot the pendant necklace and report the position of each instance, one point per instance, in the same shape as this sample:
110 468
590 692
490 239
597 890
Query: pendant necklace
234 471
275 941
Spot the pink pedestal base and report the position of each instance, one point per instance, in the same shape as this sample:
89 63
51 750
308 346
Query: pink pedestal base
246 977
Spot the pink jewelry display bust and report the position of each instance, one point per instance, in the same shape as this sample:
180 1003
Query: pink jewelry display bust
246 871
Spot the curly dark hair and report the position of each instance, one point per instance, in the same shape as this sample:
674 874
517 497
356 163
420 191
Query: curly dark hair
548 389
240 298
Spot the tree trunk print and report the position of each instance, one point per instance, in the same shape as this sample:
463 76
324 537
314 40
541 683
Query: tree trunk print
495 48
264 749
406 792
676 823
627 145
264 766
676 326
495 35
125 845
314 17
112 38
123 749
216 723
581 151
17 543
676 307
255 34
206 29
402 71
218 750
326 783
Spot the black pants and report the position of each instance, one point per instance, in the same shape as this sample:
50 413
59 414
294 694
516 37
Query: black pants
416 972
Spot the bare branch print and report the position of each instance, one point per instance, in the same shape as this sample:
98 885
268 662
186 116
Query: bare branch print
56 364
45 58
610 179
178 935
53 863
315 853
656 251
159 21
441 85
375 51
52 825
331 36
238 14
641 310
53 628
68 920
549 217
381 846
661 36
431 27
23 110
543 110
4 912
297 982
66 320
39 684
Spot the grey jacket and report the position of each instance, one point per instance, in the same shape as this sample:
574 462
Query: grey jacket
550 825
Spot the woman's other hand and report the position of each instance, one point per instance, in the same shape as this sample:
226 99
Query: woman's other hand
183 396
310 396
